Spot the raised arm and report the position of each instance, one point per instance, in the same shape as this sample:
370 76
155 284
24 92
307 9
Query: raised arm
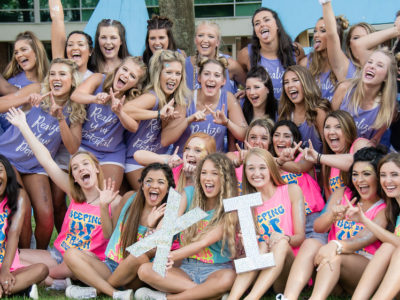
84 92
5 87
20 97
236 71
60 178
337 59
244 59
58 36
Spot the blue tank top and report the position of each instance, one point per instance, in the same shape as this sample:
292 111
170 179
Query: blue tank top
310 132
102 132
274 69
45 127
147 137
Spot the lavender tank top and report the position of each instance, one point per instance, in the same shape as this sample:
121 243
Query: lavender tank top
194 84
147 137
45 127
275 71
364 119
310 133
102 132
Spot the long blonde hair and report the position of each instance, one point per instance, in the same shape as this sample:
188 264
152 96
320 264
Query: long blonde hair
388 92
42 62
77 112
159 59
229 221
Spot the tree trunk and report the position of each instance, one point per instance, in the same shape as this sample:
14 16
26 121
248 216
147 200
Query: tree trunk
181 12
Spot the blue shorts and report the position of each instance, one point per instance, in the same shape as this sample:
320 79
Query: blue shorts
199 271
310 233
56 255
111 264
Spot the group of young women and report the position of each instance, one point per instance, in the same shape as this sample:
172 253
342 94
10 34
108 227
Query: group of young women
113 133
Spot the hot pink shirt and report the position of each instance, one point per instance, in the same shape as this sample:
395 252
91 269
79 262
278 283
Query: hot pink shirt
344 229
4 212
81 229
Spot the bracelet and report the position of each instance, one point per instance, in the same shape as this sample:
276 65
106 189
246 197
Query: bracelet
277 162
227 122
339 247
158 115
319 158
60 118
323 1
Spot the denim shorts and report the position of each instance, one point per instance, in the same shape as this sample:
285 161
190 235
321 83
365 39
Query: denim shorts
199 271
310 233
111 264
56 255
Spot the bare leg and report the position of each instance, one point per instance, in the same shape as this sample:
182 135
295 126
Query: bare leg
29 257
133 179
59 205
126 272
390 285
347 267
27 276
241 284
38 188
302 268
114 172
26 231
89 269
267 277
374 272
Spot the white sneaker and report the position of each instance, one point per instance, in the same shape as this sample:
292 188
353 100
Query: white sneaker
33 293
149 294
60 284
281 297
80 292
123 295
225 296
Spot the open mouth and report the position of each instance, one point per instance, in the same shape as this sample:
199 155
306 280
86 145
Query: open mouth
209 187
363 189
369 75
293 94
85 178
264 33
76 55
57 86
121 82
158 47
171 85
317 44
153 196
210 87
109 50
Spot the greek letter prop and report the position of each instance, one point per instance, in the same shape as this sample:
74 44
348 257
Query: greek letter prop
253 260
171 225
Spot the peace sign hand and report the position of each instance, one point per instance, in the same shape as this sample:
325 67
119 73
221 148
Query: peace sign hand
354 213
309 153
116 103
35 99
168 111
174 160
198 116
219 115
55 109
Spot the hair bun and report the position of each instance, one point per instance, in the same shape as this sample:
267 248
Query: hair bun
159 22
343 22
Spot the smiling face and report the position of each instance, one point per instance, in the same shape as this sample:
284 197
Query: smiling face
259 137
194 151
211 79
320 36
84 171
25 56
60 80
375 69
210 179
158 39
170 77
127 76
293 87
257 172
333 134
256 92
155 187
282 139
3 180
207 40
390 179
365 180
265 26
78 50
109 41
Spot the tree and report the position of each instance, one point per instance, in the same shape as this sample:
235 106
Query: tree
181 12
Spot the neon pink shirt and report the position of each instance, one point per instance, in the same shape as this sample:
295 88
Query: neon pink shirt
176 172
344 229
313 200
81 229
4 212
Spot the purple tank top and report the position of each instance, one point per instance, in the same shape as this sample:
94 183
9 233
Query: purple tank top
191 75
45 127
102 132
324 82
275 71
218 132
19 81
364 119
310 132
147 137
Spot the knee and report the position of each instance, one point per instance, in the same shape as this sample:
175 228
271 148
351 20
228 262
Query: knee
145 272
42 271
225 282
71 256
396 254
